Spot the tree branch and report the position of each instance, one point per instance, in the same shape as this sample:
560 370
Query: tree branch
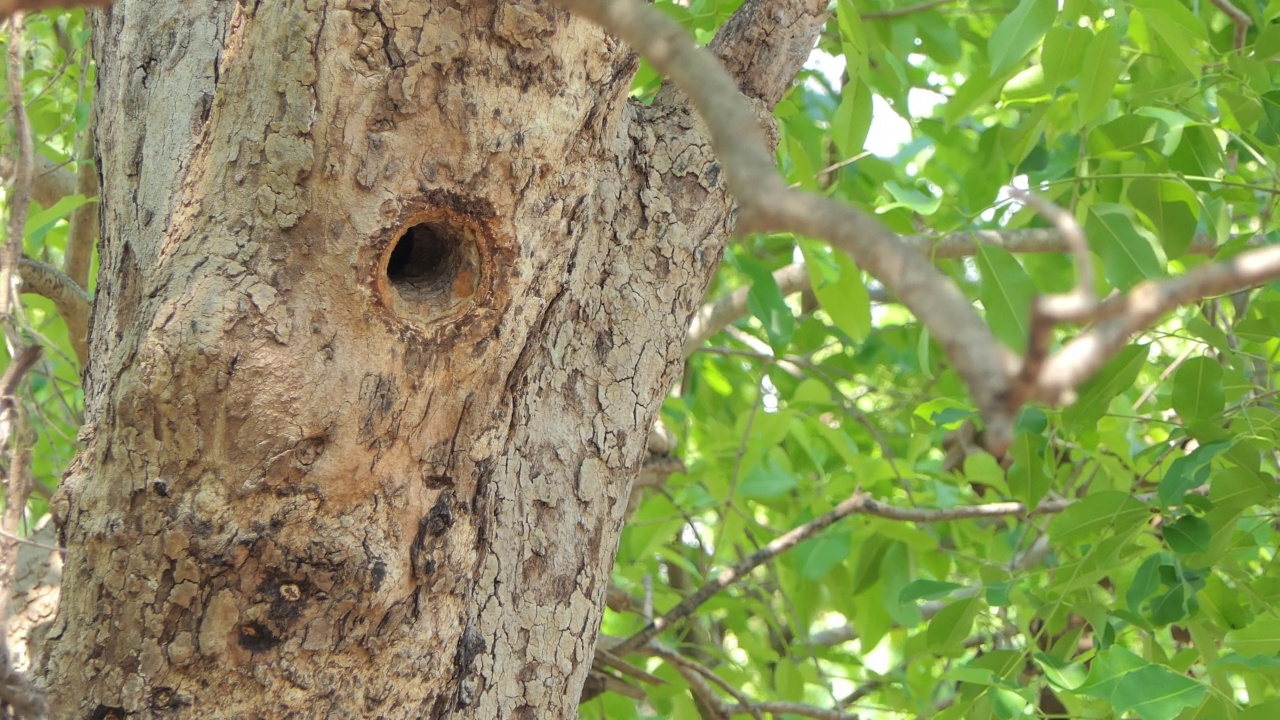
768 204
715 316
902 11
766 42
71 301
84 220
1239 17
50 181
1126 315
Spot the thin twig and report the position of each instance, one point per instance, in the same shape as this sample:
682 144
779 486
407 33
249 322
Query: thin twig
858 503
1239 17
903 11
680 661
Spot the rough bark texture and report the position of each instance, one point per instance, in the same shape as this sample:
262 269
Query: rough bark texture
329 475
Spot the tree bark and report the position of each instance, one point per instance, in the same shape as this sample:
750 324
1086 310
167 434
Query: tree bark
390 293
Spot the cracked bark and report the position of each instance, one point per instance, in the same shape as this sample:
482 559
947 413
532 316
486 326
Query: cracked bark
310 489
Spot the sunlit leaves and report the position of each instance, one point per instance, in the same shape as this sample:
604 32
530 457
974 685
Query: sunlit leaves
1100 512
1019 32
1006 292
1170 207
1099 73
1127 256
1156 478
1131 684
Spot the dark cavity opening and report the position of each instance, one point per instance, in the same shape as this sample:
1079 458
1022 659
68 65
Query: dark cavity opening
426 260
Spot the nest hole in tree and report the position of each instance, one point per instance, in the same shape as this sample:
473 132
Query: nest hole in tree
433 261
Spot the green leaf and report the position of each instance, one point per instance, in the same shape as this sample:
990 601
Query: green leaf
1127 257
1180 35
1123 138
1098 513
1188 472
1006 292
853 40
766 303
910 198
1062 55
1199 154
1019 32
1188 534
952 626
1171 207
1262 637
770 478
1098 75
979 88
1197 390
924 588
821 555
40 223
1131 684
852 118
1095 396
1028 481
839 287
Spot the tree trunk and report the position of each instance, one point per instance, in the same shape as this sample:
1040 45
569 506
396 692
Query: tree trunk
390 293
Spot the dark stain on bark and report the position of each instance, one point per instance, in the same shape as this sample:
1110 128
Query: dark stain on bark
106 712
256 637
435 482
469 647
437 521
440 518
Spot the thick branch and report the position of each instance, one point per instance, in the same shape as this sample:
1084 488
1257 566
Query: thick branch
766 42
50 181
1140 308
768 204
71 301
84 221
